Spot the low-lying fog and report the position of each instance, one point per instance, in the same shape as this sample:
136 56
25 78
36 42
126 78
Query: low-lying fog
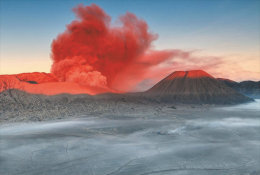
221 140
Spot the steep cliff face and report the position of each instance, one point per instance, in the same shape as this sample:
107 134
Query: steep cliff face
194 87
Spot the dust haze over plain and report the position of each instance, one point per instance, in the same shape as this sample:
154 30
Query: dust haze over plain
220 140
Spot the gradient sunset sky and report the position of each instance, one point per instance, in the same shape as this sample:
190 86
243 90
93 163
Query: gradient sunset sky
226 30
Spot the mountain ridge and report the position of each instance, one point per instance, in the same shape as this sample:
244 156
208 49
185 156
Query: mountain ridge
194 86
248 87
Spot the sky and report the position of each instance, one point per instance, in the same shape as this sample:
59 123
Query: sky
226 30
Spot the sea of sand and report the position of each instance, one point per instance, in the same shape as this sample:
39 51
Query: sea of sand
162 141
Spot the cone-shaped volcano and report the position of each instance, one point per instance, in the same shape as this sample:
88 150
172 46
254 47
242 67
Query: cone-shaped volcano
195 87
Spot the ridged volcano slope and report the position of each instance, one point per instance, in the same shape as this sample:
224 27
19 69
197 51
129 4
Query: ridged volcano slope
194 87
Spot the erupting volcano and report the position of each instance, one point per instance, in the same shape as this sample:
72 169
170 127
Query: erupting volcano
94 56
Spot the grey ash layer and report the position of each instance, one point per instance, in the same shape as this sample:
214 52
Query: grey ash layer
126 138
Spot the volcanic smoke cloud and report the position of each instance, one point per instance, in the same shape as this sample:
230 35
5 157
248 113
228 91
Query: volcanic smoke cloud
92 52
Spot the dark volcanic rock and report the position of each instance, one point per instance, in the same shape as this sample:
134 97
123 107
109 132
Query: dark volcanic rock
17 105
195 87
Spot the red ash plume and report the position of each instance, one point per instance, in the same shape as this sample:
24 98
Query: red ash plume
94 53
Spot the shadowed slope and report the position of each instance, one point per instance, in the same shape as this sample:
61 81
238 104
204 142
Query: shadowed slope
249 88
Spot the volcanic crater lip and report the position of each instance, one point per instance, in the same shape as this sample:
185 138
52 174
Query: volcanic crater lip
46 84
38 77
198 74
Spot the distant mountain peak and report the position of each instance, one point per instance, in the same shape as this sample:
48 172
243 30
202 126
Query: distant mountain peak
188 74
195 86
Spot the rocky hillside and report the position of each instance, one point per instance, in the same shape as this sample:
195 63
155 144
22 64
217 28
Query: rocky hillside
16 105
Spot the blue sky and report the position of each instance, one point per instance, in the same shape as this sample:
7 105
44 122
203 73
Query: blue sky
229 28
